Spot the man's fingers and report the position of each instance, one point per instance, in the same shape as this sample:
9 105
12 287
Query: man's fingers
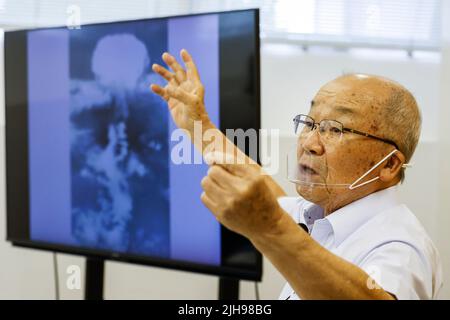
178 70
192 72
212 189
160 91
181 95
217 157
223 178
174 92
238 166
209 203
166 74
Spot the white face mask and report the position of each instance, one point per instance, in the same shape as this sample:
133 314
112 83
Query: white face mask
302 173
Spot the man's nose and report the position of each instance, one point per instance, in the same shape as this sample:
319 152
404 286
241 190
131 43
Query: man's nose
312 143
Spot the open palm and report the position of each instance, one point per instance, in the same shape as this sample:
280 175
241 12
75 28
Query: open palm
184 91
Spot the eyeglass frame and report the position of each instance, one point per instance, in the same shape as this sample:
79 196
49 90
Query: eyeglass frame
344 129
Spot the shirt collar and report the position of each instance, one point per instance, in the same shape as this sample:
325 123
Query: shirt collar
311 213
349 218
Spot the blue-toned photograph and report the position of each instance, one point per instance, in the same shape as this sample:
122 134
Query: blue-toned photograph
119 139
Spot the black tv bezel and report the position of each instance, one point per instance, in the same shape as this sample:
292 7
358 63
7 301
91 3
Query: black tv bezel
223 271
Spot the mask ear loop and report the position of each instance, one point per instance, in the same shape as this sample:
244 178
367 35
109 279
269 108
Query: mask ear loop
354 185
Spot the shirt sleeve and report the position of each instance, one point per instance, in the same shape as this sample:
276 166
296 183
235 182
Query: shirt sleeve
399 269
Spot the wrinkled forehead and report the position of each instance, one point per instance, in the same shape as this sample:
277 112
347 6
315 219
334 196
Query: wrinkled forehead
351 101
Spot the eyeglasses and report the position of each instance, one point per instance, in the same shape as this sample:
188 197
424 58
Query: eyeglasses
329 129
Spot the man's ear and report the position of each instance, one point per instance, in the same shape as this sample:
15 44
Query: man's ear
392 167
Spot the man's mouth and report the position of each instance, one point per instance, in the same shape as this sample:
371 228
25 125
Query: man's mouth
305 169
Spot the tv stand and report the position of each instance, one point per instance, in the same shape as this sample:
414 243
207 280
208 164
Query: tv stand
93 282
95 271
228 289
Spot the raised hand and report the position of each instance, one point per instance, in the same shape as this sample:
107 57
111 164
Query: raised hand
184 91
184 94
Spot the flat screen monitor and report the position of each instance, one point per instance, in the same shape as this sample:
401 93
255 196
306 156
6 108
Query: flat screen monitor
89 148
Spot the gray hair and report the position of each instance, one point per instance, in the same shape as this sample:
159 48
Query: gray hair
402 120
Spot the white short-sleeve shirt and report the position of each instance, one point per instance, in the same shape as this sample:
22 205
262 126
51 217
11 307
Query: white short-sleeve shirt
380 235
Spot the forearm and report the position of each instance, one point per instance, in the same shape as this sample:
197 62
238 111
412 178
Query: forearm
311 270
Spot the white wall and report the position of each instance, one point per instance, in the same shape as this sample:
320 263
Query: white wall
290 77
443 213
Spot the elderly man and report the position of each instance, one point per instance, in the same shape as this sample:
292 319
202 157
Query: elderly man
356 240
